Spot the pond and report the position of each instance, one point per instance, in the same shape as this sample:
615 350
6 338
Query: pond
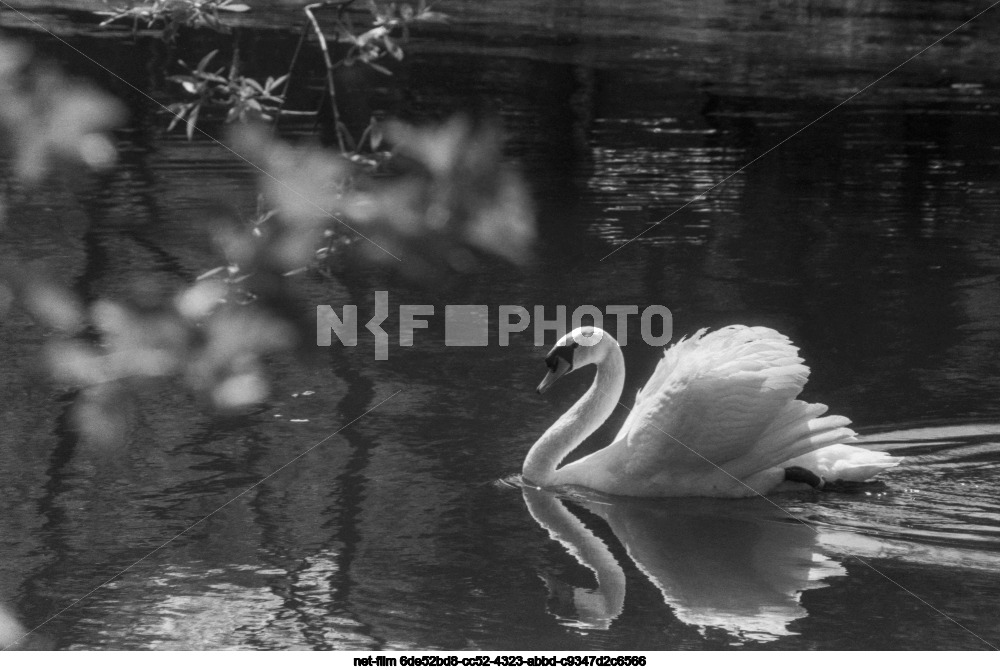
869 237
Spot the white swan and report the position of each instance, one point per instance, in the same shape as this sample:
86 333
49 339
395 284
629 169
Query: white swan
719 417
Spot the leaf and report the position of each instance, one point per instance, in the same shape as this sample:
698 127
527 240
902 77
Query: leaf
210 273
216 78
200 300
212 22
203 63
393 48
254 84
74 363
378 68
53 306
275 83
179 113
433 17
373 34
114 17
191 121
240 391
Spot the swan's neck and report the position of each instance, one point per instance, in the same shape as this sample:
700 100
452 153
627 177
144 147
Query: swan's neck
582 419
594 608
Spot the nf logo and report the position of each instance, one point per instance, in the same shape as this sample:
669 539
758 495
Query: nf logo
470 325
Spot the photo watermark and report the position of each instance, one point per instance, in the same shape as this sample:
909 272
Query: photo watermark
470 325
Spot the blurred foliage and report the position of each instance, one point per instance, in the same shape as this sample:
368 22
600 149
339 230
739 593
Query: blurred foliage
447 192
52 120
426 201
172 15
441 195
10 630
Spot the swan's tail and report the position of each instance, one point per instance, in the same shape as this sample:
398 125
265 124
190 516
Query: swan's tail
845 463
798 429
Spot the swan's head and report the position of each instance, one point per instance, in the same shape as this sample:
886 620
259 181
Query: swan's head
583 346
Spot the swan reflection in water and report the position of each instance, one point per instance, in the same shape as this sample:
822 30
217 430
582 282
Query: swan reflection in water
740 568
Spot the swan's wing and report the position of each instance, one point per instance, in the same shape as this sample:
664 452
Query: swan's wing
714 397
656 381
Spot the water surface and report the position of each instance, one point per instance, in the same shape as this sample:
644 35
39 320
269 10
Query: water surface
869 238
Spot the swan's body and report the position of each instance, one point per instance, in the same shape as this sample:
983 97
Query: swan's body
719 417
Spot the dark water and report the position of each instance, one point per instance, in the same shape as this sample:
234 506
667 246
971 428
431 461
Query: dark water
869 238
